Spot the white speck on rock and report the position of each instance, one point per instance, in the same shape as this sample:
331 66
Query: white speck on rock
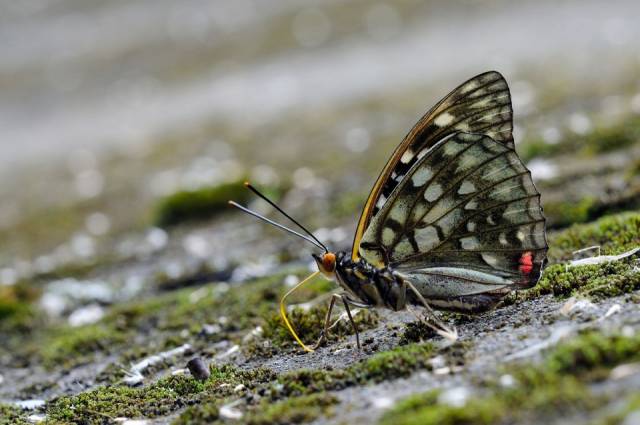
230 352
616 308
36 418
507 381
30 404
456 397
382 402
229 411
86 315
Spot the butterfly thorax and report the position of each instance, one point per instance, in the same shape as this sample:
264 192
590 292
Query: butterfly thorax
368 285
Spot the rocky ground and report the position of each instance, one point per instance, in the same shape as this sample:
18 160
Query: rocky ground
121 261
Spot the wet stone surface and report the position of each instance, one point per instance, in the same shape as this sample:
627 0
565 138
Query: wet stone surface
120 261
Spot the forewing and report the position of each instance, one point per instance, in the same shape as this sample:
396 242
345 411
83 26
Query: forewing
481 105
467 203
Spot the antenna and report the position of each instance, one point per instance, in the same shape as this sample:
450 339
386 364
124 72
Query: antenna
278 225
273 204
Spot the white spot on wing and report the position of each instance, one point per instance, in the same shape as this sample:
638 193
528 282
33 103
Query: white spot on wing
407 156
421 176
490 259
470 242
381 201
443 119
387 236
471 205
398 212
466 187
433 192
452 147
427 238
469 86
520 235
471 226
422 153
503 239
463 126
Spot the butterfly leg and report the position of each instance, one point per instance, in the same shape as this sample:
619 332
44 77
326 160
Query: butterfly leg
432 319
327 327
355 328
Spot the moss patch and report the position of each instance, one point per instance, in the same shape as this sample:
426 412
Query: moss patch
72 346
565 213
615 234
593 350
602 139
110 402
310 323
397 363
630 405
301 395
594 281
562 214
555 387
158 399
198 204
295 410
10 415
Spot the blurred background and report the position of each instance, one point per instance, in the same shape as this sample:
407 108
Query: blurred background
126 125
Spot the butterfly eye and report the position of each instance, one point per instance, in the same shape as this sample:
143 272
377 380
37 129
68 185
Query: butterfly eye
329 262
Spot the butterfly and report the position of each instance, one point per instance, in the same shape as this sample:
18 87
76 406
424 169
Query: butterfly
453 221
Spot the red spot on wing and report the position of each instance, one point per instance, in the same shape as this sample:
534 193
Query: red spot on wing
526 262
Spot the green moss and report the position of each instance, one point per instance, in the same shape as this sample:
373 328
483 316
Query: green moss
610 138
10 415
630 405
565 213
604 138
205 412
562 214
15 300
424 409
416 331
71 346
595 281
615 234
555 387
397 363
295 410
310 323
157 399
593 350
231 376
198 204
102 403
310 381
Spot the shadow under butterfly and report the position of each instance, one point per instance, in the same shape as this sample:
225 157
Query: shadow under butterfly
453 221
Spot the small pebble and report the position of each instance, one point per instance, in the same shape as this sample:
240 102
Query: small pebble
198 369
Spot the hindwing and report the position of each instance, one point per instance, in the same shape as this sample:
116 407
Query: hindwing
468 204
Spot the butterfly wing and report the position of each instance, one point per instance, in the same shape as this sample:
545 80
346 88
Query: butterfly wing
465 219
481 105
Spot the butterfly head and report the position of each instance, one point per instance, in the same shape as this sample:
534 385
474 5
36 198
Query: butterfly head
326 263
